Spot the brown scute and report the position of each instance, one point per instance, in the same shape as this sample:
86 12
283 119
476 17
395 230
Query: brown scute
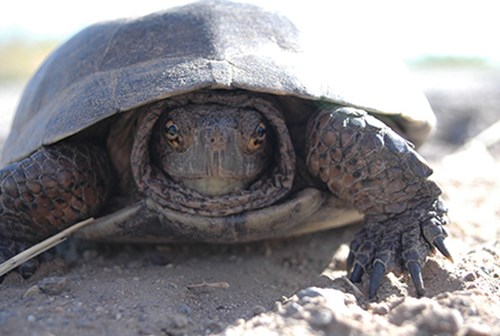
125 64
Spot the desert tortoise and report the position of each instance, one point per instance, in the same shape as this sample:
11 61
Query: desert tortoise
216 122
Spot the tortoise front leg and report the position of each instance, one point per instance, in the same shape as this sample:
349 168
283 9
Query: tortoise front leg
366 163
53 188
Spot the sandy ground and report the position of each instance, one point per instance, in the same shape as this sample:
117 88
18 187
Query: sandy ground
295 286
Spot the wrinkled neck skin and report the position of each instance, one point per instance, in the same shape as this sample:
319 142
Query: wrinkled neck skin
212 148
212 153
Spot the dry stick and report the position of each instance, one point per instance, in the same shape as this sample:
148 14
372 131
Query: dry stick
41 247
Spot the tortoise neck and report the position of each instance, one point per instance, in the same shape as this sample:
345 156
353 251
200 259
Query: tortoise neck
272 186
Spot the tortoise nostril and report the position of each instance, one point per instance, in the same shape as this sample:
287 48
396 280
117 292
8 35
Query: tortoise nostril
216 138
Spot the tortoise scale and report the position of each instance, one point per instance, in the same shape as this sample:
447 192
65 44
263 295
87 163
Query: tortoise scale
217 122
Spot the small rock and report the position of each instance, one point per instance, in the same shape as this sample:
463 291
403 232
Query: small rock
321 317
221 307
340 257
32 291
185 309
257 310
310 292
442 320
5 315
380 308
214 327
31 318
408 310
179 321
11 278
470 277
53 285
471 286
292 308
478 330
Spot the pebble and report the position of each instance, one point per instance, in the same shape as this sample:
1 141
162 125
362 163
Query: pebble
213 328
321 317
478 330
470 277
32 291
292 308
4 316
442 320
407 310
53 285
179 321
309 292
380 308
427 314
257 310
185 309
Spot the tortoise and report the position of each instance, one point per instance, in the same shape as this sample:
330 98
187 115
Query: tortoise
218 122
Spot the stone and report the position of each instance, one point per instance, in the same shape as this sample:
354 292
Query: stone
53 285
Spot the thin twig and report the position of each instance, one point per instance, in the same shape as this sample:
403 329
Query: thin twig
221 284
41 247
355 289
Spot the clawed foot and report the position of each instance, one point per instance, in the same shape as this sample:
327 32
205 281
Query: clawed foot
400 242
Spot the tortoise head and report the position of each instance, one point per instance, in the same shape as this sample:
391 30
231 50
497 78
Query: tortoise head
213 149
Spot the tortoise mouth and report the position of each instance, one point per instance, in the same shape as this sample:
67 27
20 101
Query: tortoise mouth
272 186
214 185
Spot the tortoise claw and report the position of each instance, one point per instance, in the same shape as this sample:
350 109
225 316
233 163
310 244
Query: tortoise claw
377 275
357 273
349 261
416 276
440 245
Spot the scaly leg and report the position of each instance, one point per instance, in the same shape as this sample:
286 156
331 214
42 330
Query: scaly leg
53 188
366 163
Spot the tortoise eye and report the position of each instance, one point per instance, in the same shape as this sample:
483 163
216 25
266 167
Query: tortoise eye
171 129
172 133
258 137
260 131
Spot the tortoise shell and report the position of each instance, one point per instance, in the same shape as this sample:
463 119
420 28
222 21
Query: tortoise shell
117 66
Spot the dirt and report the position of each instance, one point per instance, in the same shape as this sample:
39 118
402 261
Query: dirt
293 286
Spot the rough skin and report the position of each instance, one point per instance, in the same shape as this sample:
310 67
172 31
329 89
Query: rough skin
48 191
365 162
359 158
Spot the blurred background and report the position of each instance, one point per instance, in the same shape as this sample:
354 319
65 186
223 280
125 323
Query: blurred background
447 44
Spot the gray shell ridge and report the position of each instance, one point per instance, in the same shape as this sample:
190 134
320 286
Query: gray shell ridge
117 66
